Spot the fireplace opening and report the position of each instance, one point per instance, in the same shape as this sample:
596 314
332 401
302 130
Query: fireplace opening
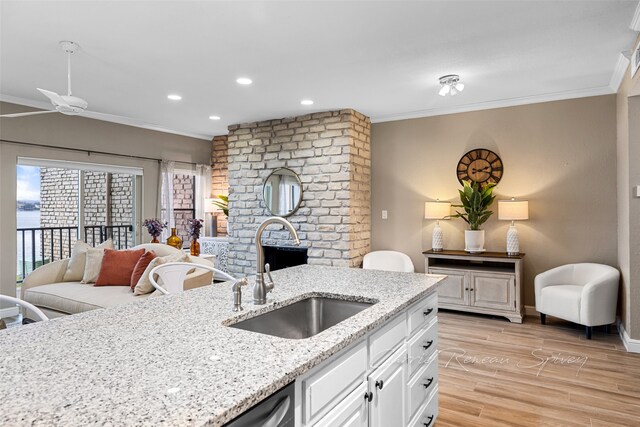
279 257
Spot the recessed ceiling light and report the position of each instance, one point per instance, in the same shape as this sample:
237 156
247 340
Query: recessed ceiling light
214 117
243 81
306 102
174 97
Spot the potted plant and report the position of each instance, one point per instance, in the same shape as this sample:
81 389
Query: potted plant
475 201
222 203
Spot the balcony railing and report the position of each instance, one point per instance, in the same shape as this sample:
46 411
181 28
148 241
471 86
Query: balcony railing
38 246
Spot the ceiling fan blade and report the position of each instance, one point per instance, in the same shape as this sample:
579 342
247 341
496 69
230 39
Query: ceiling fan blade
57 99
33 113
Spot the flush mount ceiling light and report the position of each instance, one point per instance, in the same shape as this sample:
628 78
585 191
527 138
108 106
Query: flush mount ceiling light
243 81
450 85
174 97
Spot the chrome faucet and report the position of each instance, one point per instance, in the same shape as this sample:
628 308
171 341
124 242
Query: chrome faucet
237 293
261 288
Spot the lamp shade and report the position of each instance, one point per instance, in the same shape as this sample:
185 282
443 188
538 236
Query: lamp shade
209 206
513 210
436 210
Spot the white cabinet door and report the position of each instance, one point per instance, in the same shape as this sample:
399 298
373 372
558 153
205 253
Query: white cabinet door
351 412
493 290
455 288
387 385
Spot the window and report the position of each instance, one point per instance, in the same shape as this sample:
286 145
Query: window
184 203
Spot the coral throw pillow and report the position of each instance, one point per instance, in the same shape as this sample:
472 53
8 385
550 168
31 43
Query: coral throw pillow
117 267
140 267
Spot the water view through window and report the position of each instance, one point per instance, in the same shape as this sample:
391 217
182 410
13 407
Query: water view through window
27 212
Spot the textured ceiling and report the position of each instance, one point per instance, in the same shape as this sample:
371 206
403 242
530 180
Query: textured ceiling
380 58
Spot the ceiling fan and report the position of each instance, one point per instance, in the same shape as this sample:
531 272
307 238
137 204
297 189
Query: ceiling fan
65 104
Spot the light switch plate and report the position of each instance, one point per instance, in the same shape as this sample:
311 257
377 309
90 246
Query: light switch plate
637 192
384 214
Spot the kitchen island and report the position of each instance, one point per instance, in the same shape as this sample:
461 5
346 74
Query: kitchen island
173 360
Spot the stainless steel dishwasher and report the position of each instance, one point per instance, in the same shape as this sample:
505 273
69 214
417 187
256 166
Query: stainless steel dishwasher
276 410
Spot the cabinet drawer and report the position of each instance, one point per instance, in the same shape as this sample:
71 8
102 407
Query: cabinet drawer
422 313
422 385
330 384
422 345
427 415
383 342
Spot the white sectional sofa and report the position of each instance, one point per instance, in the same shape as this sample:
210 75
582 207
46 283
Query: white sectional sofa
45 287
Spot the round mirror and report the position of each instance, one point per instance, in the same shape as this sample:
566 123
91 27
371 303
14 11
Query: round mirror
282 192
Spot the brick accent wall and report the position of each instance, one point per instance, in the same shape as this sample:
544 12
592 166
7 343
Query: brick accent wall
330 151
107 200
220 176
59 200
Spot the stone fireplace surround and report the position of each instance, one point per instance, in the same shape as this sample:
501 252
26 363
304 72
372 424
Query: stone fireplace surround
331 153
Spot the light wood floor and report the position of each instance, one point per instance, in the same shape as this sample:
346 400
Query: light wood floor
493 373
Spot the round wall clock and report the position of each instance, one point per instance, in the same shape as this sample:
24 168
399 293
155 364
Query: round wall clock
480 165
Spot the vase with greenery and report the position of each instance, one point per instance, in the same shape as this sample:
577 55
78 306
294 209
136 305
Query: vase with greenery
154 227
475 201
193 229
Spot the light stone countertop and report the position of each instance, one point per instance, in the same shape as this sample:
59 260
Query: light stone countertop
171 361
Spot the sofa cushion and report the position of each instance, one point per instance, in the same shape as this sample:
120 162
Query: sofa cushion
561 301
140 268
92 267
75 297
75 267
117 267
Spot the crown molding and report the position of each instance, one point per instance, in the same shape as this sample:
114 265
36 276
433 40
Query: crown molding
635 22
499 103
105 117
618 72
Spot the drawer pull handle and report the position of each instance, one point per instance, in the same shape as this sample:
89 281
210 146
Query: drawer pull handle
429 381
379 384
430 421
368 397
466 289
429 344
428 312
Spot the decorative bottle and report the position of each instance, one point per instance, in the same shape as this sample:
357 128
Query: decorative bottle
174 240
195 247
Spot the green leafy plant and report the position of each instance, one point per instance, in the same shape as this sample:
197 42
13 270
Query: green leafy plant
222 203
476 201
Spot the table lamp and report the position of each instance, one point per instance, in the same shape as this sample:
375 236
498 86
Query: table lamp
513 210
210 208
437 210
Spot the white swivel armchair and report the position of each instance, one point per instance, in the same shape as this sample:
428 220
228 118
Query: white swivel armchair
388 260
586 294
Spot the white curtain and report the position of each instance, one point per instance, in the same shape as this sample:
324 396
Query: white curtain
165 195
203 188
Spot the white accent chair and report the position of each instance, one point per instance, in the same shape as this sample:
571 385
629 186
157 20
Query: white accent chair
586 294
173 274
388 261
26 308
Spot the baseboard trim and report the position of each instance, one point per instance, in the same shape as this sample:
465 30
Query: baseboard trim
9 312
632 345
530 310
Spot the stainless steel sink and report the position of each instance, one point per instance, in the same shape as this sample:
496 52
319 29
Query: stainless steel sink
304 318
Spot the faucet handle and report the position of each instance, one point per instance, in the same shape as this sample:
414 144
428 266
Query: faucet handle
268 285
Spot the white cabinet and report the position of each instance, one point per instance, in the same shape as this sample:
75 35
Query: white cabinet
378 381
488 283
387 406
353 411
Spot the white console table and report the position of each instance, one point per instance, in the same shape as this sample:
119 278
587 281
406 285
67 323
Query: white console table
218 246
